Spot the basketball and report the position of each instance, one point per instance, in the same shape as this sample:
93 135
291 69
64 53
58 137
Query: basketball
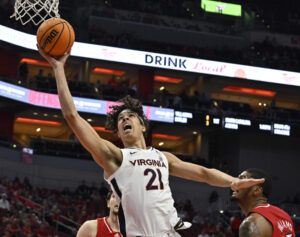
55 36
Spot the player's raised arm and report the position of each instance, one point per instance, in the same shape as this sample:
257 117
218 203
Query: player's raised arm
104 153
212 177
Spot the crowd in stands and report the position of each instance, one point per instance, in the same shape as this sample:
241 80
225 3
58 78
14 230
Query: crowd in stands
176 8
286 19
281 18
276 56
26 211
34 211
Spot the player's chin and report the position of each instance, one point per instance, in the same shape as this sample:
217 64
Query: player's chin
116 209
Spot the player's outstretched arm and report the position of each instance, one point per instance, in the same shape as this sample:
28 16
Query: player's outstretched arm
199 173
104 153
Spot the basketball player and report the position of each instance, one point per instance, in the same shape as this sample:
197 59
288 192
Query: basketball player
103 227
262 219
137 170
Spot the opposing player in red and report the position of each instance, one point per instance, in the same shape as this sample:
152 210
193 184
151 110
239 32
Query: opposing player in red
262 219
103 227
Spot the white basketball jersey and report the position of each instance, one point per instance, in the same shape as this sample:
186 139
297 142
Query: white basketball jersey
142 186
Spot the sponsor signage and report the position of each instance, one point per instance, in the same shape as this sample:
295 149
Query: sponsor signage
161 60
182 117
281 129
82 104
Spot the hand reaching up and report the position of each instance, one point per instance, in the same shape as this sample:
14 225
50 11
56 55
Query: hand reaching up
245 183
55 62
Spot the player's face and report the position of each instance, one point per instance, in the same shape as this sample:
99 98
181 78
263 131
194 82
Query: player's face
113 205
243 193
129 126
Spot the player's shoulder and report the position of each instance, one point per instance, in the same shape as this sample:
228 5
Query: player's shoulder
277 209
255 225
88 228
90 223
254 217
267 208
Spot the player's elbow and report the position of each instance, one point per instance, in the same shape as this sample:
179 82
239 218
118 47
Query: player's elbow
202 174
71 116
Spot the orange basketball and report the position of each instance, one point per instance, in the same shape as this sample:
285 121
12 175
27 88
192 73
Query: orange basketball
55 36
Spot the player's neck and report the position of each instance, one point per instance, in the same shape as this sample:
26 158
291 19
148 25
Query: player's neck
113 222
253 204
135 144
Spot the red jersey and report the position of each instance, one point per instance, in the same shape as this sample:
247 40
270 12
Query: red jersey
104 230
281 221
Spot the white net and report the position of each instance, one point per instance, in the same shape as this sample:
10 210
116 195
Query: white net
36 11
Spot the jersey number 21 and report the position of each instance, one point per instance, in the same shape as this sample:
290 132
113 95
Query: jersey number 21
152 184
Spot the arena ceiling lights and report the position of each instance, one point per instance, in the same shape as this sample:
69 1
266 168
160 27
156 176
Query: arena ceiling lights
165 61
35 62
108 71
102 129
38 121
168 79
250 91
166 136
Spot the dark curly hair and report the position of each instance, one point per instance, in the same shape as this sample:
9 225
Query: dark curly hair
126 103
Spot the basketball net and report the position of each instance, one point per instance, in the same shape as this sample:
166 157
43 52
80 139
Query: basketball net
36 11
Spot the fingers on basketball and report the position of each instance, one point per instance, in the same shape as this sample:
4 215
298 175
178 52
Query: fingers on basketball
55 37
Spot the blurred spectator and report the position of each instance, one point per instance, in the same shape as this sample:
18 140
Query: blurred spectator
4 203
228 232
27 230
219 231
40 74
198 219
203 234
23 71
177 102
209 228
43 230
6 234
15 229
235 224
